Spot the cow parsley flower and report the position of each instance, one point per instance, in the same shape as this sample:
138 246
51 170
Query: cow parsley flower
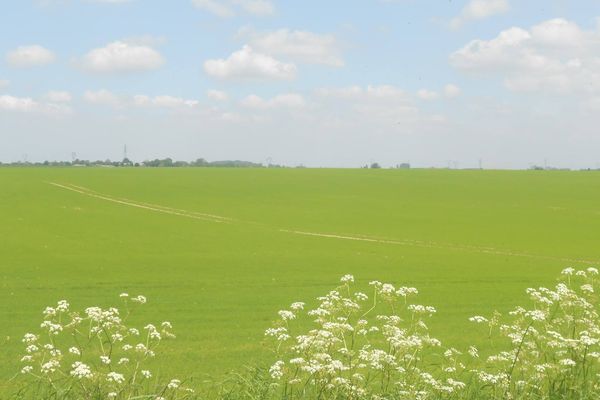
276 370
81 370
115 377
26 369
139 299
478 319
30 338
174 384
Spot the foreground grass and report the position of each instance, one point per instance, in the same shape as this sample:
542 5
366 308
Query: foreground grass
358 347
469 240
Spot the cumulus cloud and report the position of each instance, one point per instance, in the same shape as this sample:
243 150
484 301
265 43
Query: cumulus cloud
425 94
229 8
301 46
451 91
217 95
383 104
479 9
288 100
28 105
553 56
104 97
109 1
121 56
249 64
30 56
21 104
164 101
59 97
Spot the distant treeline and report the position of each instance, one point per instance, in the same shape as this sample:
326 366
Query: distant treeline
165 162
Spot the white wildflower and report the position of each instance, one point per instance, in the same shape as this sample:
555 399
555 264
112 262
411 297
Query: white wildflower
567 362
276 370
139 299
81 370
286 315
29 338
115 377
26 369
174 384
478 319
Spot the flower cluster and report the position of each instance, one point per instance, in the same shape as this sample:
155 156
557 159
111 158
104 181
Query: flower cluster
552 348
363 347
95 352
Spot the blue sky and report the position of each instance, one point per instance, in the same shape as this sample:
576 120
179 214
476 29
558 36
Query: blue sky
336 83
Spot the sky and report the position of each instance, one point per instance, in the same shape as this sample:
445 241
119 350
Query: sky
436 83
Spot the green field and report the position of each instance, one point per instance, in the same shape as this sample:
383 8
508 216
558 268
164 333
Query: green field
471 241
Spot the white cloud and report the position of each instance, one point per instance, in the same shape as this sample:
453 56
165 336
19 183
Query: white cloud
4 83
216 7
302 46
122 56
369 92
103 97
425 94
249 64
21 104
164 101
58 97
553 56
29 105
229 8
479 9
106 98
288 100
380 104
451 91
217 95
256 7
30 56
110 1
342 93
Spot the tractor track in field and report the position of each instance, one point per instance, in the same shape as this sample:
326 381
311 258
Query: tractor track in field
436 245
145 206
354 237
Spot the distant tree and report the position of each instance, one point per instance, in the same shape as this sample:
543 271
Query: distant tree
375 165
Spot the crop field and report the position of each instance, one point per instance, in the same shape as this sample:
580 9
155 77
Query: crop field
219 251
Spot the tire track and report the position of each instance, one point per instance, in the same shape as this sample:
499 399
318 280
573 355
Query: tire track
354 237
145 206
176 210
434 245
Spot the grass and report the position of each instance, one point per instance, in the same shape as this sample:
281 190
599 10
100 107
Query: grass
471 241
